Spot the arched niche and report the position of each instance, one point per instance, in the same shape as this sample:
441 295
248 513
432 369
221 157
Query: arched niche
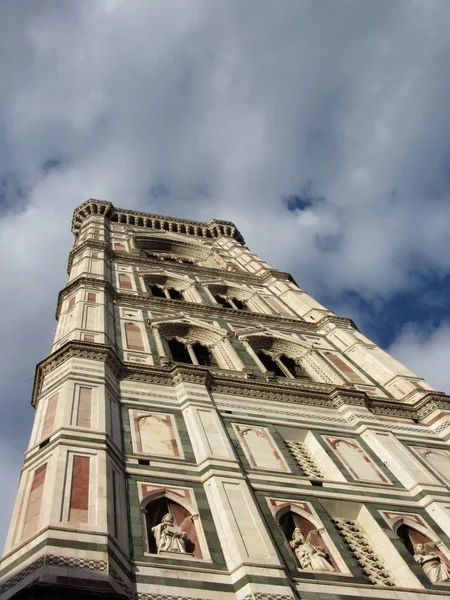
426 549
156 506
290 518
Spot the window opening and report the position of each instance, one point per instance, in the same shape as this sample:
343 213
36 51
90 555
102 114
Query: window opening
230 302
157 291
222 301
270 364
195 354
292 366
174 294
238 304
179 352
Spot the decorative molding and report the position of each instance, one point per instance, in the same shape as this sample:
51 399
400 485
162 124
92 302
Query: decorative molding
57 561
75 562
368 558
121 583
21 575
305 459
268 596
151 596
235 383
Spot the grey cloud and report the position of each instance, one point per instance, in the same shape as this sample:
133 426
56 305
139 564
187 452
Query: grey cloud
230 106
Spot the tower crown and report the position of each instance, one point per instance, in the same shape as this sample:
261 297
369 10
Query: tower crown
214 228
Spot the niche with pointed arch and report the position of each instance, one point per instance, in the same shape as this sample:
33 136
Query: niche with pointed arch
424 546
317 552
156 506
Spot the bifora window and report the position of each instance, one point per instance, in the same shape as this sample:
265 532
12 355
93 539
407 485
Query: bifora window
194 354
229 302
160 291
281 365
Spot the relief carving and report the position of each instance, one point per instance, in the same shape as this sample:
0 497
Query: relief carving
309 556
168 536
432 564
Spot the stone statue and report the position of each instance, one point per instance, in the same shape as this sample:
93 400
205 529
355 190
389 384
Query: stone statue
433 565
309 556
169 537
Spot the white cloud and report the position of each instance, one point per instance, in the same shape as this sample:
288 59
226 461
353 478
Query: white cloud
232 106
425 351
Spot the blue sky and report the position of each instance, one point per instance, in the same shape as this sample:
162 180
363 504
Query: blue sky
322 129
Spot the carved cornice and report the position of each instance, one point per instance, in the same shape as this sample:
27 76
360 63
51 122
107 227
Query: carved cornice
74 349
204 310
103 246
91 282
231 315
215 227
236 383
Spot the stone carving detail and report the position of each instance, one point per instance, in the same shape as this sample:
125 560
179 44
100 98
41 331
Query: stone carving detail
309 557
366 555
150 596
305 460
267 596
76 563
168 536
118 579
21 575
434 567
58 561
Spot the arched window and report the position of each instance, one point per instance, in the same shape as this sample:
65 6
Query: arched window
230 302
192 353
155 511
281 365
161 291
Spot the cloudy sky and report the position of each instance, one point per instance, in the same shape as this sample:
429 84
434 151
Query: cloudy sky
322 129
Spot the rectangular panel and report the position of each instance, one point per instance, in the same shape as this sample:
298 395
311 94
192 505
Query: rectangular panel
213 436
125 282
344 368
260 448
50 416
84 407
91 297
355 459
79 492
246 526
33 514
90 317
133 335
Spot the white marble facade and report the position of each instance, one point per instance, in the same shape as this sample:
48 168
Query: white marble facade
206 429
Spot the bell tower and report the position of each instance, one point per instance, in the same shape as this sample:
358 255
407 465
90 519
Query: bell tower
204 429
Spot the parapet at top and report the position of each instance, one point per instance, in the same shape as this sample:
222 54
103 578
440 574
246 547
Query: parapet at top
211 229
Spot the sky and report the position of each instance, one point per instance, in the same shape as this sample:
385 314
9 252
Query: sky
322 129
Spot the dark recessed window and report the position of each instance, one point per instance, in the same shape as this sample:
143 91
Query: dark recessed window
269 363
179 351
157 291
174 294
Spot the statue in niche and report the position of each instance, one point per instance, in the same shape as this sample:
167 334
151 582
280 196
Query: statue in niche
432 564
168 536
309 556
